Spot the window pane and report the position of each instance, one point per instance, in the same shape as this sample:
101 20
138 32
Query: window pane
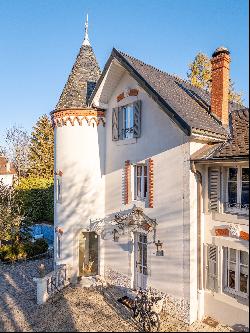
139 170
232 255
231 278
144 255
139 259
245 193
138 193
233 174
244 258
245 174
145 187
232 192
243 279
128 121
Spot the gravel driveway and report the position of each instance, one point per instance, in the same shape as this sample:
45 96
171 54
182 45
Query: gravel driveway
74 309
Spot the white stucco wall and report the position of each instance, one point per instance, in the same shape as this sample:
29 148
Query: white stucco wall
174 196
228 309
79 155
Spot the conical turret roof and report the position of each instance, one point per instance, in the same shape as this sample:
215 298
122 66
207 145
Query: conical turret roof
81 81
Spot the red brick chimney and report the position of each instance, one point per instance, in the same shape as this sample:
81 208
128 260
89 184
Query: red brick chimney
220 84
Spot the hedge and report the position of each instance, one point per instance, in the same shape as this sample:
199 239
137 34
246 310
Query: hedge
37 196
23 250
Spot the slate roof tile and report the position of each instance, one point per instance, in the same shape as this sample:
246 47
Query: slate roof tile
81 81
192 104
237 146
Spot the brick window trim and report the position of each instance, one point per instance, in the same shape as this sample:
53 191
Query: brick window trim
127 182
150 183
131 92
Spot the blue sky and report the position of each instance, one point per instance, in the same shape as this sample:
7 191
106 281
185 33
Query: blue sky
41 38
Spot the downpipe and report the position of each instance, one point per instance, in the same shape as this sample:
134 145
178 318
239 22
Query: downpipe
200 293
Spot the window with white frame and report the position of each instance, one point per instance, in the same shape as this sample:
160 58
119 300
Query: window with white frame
140 182
236 277
126 121
238 187
127 113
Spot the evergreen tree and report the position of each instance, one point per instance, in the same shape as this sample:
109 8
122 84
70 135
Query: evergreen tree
41 155
199 75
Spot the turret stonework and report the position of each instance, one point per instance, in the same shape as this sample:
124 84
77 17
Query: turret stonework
81 81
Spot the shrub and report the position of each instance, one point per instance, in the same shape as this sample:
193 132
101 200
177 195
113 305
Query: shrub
23 251
37 197
12 252
40 246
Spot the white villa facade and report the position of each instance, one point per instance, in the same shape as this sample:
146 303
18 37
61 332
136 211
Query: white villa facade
141 198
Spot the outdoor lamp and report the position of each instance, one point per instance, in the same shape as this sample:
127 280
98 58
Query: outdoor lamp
116 235
159 250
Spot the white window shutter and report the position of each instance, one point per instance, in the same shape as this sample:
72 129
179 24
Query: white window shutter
212 268
214 188
137 119
115 125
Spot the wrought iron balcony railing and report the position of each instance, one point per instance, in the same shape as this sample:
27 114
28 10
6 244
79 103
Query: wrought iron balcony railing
236 207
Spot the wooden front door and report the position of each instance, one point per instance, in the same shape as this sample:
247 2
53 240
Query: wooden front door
88 254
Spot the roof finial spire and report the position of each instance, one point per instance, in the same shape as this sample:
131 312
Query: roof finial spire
86 36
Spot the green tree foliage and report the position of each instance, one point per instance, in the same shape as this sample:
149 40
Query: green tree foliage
14 225
41 154
199 75
37 196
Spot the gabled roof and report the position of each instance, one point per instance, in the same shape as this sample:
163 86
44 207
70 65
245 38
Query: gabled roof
81 81
187 106
237 147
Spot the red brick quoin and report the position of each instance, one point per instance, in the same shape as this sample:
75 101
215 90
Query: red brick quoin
151 183
127 182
